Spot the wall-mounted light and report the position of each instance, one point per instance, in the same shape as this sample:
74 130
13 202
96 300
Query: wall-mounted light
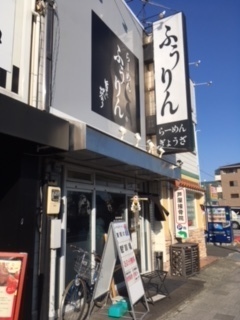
162 14
138 138
122 131
179 163
208 83
160 151
196 63
150 146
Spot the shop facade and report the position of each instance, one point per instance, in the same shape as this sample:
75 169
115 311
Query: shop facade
79 126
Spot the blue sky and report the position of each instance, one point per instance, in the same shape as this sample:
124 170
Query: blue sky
213 36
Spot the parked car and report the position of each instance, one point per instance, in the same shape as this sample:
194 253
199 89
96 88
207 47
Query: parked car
235 219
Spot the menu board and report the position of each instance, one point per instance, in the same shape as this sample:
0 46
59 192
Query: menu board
12 273
128 261
119 244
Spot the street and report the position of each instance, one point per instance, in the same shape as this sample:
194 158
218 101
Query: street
219 299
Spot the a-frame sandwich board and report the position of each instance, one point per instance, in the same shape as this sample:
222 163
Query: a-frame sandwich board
119 244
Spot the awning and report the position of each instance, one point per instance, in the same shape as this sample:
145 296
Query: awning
43 133
188 184
19 120
159 210
92 148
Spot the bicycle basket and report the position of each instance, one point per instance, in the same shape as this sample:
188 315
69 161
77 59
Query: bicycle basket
83 266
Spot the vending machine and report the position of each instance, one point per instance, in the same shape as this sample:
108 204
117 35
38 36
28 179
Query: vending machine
219 227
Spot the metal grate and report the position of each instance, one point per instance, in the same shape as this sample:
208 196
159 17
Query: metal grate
184 259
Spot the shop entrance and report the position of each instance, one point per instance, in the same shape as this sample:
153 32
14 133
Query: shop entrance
92 203
89 214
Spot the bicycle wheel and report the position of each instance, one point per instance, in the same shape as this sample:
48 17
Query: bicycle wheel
73 300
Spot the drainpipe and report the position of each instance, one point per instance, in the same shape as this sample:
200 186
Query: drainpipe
41 69
62 266
33 94
53 259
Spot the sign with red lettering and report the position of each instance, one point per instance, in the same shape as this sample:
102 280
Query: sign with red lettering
12 274
128 261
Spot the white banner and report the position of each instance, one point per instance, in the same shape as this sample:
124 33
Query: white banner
170 76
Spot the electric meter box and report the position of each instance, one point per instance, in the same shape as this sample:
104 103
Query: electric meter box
53 200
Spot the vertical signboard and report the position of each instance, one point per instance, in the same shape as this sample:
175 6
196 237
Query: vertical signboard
7 11
115 78
12 273
219 224
181 218
173 102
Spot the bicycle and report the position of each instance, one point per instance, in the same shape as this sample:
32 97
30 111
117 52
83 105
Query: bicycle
79 291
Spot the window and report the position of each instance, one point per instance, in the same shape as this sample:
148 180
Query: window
191 212
233 183
15 79
234 195
111 181
3 78
78 175
229 170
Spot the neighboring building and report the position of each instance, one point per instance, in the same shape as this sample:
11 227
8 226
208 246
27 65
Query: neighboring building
224 190
213 191
229 179
73 105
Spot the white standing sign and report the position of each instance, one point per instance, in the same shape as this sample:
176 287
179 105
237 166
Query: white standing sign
128 261
119 244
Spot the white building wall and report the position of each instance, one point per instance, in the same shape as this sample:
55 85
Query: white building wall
73 61
190 162
20 51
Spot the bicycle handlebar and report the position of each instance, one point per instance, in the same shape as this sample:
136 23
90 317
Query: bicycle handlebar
78 249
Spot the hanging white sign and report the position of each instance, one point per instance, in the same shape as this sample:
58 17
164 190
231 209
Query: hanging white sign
173 102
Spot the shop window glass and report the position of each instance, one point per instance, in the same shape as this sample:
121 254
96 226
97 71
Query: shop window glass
109 207
191 211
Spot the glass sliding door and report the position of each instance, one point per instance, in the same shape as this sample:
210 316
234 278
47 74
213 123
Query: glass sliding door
79 208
